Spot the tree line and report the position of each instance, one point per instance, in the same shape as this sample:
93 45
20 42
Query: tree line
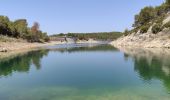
19 29
96 36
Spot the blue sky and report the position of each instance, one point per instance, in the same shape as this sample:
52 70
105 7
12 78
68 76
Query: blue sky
57 16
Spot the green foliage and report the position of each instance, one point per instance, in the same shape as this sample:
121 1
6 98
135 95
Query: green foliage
4 21
61 34
157 28
168 2
145 16
161 10
96 36
135 30
20 29
150 15
167 25
126 32
144 28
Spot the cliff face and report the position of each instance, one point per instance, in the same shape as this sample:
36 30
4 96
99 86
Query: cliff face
146 40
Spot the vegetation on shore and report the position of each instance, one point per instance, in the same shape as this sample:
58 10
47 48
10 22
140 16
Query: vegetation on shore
96 36
19 29
151 16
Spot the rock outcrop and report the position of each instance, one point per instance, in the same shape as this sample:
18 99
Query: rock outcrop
146 40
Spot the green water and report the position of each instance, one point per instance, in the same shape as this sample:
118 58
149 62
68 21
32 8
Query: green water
72 72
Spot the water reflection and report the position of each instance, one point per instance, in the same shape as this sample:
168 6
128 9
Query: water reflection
81 48
151 63
21 63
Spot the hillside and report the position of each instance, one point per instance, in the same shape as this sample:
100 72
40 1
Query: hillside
103 36
151 28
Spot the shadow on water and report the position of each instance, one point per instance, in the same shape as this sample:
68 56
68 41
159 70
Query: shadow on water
151 64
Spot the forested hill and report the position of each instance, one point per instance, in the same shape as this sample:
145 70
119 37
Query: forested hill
151 16
151 28
19 29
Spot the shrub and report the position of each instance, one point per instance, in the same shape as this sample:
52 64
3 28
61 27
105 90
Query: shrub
167 25
47 39
126 32
144 28
160 19
157 28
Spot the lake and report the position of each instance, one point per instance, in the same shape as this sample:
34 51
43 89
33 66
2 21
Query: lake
85 72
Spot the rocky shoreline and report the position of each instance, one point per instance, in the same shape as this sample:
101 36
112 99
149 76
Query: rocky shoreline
146 40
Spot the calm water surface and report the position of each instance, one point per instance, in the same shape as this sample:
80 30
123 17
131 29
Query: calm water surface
79 72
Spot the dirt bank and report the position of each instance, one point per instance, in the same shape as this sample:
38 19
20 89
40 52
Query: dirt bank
14 48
